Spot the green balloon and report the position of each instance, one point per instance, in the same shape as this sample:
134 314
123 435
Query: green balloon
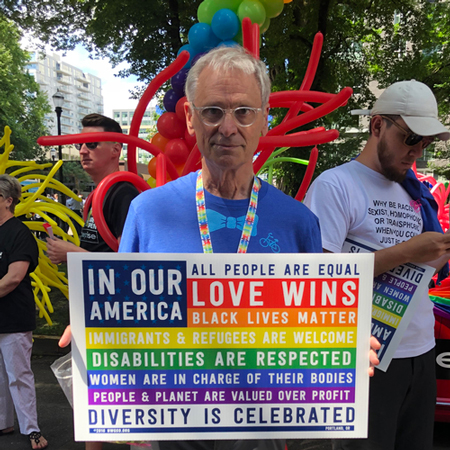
273 7
265 26
206 10
254 10
230 4
238 37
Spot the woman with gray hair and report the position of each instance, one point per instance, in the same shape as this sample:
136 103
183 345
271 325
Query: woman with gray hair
18 258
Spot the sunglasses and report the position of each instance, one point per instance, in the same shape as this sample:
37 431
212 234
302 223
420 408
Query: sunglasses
89 145
411 138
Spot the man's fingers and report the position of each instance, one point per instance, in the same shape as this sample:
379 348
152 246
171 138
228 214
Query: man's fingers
66 337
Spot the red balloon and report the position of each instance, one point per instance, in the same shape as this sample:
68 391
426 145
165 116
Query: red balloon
99 196
179 109
190 140
170 126
177 151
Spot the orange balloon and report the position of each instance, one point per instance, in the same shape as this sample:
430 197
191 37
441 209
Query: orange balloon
152 167
160 141
152 170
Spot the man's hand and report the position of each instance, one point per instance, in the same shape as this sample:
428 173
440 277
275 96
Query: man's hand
422 248
374 361
66 337
57 250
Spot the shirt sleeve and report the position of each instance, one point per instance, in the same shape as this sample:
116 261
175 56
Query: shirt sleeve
129 242
25 249
327 201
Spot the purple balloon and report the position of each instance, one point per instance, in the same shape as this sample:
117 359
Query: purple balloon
170 100
196 58
179 80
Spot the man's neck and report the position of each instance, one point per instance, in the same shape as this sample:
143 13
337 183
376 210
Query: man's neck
369 158
97 177
231 184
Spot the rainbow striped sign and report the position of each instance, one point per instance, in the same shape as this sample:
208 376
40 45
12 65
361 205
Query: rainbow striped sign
170 347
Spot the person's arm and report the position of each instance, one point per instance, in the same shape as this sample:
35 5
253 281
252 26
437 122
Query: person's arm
57 250
16 273
430 247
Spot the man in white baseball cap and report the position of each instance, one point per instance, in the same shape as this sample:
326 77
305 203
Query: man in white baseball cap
415 103
378 199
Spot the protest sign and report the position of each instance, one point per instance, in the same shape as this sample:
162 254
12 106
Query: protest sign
223 346
396 294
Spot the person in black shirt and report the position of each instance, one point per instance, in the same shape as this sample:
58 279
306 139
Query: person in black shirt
18 258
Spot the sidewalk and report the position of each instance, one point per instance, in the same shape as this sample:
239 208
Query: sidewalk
54 412
56 421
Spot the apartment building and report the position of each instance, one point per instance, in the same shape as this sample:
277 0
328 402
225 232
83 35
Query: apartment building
82 94
146 130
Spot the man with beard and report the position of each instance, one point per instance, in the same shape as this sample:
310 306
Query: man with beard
377 198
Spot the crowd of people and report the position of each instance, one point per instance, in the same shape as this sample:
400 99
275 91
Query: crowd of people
227 110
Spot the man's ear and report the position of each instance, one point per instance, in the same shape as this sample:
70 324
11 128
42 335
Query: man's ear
189 117
117 148
375 125
266 120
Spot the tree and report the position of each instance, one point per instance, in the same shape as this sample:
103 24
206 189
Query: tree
75 176
146 36
364 41
22 105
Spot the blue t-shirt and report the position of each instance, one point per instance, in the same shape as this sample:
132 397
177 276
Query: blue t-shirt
164 220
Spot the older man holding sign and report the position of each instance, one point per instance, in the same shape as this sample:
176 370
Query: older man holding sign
223 208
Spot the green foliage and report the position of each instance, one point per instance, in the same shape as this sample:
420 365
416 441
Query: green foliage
365 41
22 105
441 165
75 176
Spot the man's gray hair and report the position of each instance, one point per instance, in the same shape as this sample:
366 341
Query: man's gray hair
224 59
10 187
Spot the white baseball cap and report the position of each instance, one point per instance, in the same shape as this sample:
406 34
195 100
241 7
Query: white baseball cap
415 103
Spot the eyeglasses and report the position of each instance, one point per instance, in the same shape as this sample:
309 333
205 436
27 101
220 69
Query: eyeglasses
89 145
411 138
213 116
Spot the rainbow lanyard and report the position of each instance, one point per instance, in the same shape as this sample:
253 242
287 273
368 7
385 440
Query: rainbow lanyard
203 220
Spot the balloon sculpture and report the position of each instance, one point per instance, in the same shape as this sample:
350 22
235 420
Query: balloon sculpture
31 203
175 153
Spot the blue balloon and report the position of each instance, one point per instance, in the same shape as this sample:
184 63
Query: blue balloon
200 36
170 100
225 24
191 51
179 80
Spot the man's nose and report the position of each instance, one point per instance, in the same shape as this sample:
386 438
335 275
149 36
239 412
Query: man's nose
228 125
83 149
417 150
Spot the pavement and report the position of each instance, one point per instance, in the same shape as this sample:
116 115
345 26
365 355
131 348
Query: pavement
56 420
